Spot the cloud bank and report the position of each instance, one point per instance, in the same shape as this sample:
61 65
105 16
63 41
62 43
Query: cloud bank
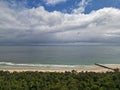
38 26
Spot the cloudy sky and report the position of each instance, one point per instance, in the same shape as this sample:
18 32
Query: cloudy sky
36 22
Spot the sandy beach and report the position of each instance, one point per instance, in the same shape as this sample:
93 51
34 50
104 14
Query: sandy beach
92 68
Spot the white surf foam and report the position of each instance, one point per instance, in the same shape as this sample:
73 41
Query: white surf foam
35 65
48 65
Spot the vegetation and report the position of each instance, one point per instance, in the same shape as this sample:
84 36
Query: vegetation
59 81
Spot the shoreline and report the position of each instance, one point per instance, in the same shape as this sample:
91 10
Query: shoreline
88 68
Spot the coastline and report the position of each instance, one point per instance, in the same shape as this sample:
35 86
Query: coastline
89 68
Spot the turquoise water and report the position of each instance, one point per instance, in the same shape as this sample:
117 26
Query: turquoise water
59 55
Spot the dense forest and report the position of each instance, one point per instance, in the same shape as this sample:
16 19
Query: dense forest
59 81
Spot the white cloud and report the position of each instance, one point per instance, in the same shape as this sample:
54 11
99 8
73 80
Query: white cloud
82 5
37 25
54 2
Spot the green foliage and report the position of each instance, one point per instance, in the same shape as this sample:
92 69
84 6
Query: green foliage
59 81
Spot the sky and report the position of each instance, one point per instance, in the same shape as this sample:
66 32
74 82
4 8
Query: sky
40 22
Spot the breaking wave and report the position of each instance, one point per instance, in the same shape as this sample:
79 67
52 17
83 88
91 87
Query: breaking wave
47 65
35 65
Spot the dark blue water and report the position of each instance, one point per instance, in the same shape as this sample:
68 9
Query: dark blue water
63 55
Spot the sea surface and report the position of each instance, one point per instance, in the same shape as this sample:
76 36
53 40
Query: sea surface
61 56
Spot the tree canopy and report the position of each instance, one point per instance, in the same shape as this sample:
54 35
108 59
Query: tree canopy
59 81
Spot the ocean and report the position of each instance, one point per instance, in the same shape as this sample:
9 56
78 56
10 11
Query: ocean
58 56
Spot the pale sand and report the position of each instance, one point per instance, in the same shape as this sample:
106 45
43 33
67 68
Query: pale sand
60 69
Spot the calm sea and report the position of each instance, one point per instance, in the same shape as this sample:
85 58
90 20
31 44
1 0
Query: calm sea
59 55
